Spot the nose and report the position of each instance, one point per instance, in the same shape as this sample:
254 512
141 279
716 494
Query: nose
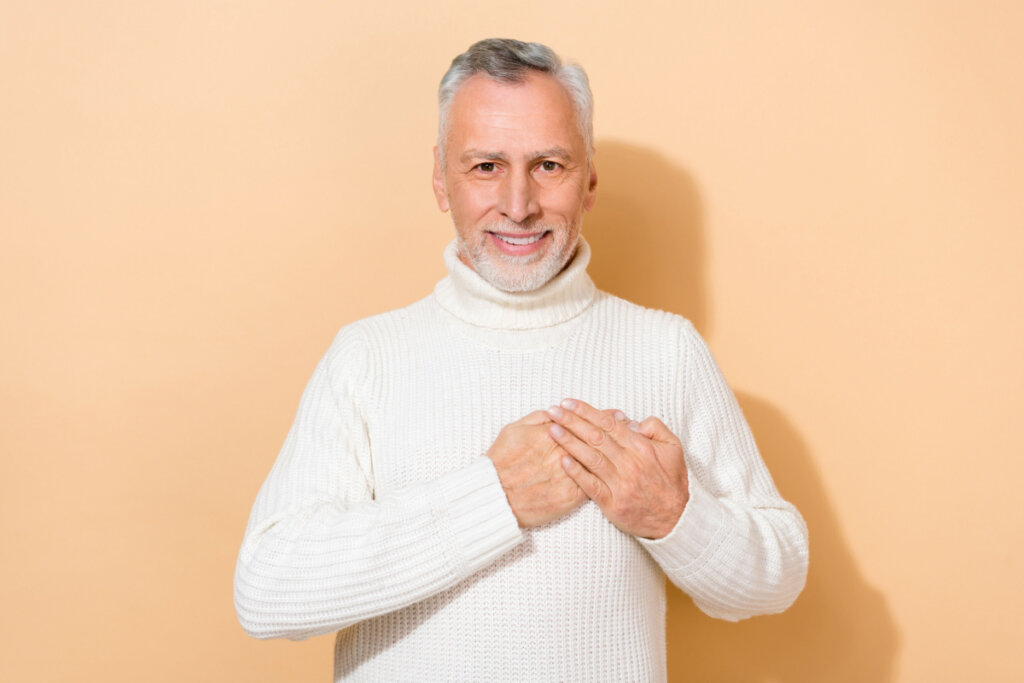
518 201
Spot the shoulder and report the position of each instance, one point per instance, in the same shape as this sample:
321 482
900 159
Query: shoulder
360 345
380 328
654 324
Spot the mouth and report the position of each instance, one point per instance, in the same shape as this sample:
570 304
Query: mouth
519 245
520 240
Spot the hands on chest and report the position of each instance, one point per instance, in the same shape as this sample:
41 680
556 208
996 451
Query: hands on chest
550 461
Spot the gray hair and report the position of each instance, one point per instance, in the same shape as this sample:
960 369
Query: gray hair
510 61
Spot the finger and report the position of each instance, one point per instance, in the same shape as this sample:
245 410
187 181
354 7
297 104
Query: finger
617 427
598 418
595 489
537 417
588 456
634 441
587 431
655 429
616 413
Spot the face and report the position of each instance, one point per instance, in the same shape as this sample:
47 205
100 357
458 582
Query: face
516 179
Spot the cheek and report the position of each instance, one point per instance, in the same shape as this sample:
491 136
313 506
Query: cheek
473 202
566 202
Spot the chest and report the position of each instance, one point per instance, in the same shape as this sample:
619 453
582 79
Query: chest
443 403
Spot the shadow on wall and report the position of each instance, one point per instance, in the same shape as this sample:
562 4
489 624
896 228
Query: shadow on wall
646 233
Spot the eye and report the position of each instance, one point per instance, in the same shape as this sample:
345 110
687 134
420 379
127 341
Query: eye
549 165
486 167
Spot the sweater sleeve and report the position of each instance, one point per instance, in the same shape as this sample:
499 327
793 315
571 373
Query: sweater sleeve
321 552
739 549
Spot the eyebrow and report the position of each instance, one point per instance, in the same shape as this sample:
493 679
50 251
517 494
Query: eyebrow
482 154
558 152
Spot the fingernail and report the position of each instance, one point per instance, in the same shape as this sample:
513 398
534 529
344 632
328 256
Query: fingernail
557 431
619 415
555 412
634 425
569 404
567 462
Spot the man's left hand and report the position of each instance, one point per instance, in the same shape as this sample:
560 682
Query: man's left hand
635 472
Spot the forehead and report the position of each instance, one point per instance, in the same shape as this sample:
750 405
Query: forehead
536 112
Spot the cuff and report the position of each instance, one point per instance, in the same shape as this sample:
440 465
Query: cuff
483 526
696 536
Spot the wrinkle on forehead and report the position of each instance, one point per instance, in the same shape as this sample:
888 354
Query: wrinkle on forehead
552 152
520 118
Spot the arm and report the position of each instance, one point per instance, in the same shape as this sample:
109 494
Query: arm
737 548
320 553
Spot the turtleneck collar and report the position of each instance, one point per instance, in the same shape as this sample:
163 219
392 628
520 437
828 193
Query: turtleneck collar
469 297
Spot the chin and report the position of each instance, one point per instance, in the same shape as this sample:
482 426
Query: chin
518 273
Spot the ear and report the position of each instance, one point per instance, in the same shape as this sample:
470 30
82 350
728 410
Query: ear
440 193
591 197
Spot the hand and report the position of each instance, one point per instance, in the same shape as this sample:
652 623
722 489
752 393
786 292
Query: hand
635 472
529 466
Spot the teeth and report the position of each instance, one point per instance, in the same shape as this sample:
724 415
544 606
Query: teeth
520 241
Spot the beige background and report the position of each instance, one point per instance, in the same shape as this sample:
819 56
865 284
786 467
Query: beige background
195 196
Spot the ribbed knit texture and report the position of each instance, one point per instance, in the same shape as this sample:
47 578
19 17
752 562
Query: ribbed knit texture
383 519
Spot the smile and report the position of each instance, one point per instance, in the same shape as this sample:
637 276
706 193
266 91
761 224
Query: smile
520 241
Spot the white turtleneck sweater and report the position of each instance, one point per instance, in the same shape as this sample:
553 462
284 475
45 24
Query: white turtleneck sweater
383 519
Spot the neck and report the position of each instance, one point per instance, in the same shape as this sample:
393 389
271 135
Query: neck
469 297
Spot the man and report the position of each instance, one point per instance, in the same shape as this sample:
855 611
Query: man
430 506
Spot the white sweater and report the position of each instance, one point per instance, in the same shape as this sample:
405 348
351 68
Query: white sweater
383 520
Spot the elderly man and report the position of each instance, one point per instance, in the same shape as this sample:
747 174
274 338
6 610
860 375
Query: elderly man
432 508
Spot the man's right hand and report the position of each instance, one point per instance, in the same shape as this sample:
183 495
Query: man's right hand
529 465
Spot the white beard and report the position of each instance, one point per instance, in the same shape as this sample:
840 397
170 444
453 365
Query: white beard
518 273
